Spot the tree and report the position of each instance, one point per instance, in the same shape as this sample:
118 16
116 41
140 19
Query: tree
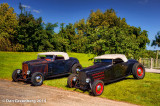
108 33
101 33
156 42
47 38
8 25
33 33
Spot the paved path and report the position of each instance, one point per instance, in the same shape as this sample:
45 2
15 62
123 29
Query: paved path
152 70
12 93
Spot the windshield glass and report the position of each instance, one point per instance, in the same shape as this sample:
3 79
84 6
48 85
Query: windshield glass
103 60
46 56
49 56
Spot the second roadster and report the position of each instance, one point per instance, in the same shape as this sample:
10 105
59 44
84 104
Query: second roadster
107 68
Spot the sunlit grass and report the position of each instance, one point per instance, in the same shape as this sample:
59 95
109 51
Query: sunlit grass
143 92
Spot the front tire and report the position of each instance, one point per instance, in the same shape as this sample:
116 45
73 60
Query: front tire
37 79
70 82
97 87
15 76
138 71
76 67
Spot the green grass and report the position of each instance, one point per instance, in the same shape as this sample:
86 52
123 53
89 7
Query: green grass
143 92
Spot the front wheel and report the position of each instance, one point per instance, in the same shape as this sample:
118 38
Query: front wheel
15 75
138 71
97 87
72 80
37 79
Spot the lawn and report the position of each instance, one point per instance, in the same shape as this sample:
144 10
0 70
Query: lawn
143 92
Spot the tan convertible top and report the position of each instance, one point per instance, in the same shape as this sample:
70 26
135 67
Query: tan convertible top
112 56
65 55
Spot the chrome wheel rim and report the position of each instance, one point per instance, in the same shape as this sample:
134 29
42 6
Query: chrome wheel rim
139 71
98 88
39 78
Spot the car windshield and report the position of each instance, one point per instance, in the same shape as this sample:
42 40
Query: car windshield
46 56
49 56
103 60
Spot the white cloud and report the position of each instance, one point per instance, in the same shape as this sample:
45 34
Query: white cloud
36 11
29 7
143 1
25 6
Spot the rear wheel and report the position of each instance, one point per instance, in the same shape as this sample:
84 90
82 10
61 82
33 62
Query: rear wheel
76 68
97 87
138 71
71 80
37 79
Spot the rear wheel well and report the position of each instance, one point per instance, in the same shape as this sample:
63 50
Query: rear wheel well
73 68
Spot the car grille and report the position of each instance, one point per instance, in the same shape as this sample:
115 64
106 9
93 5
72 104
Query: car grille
24 70
82 78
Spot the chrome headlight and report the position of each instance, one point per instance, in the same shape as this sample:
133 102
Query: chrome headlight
74 79
88 80
77 69
18 71
28 72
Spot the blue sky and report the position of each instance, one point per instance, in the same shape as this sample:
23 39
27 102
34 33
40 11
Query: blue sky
139 13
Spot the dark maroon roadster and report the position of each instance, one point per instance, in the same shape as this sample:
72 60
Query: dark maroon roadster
107 68
48 64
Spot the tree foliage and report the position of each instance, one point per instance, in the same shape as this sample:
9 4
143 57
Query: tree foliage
156 42
33 33
8 25
107 33
100 33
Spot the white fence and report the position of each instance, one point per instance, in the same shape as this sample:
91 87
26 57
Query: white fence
150 63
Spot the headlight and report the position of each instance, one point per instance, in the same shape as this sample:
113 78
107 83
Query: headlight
18 71
77 69
28 72
74 79
87 80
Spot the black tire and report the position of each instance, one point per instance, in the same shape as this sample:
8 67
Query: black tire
75 67
70 82
95 90
138 71
15 76
37 79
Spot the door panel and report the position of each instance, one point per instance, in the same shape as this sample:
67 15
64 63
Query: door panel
59 67
56 67
108 74
119 70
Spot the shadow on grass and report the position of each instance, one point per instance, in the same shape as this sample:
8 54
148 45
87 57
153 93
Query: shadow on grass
116 81
58 77
55 77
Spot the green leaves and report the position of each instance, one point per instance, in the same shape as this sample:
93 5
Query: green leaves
108 33
101 33
156 42
8 25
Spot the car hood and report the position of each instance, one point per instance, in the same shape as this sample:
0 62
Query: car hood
96 67
37 61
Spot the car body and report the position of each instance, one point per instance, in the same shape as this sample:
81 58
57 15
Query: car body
107 68
47 64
